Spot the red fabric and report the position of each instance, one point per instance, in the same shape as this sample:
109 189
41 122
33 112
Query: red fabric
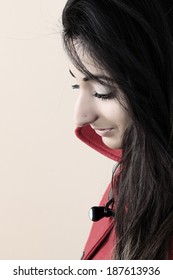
89 137
101 238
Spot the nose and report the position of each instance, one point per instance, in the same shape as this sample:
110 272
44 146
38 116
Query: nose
85 111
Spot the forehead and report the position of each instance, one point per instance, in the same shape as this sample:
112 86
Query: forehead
88 62
90 66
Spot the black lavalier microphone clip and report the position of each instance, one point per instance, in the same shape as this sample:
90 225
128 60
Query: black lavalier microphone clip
98 212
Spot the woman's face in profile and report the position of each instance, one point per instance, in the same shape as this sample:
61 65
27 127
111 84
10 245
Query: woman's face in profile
98 106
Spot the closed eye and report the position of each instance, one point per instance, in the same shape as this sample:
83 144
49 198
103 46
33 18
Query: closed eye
97 95
105 96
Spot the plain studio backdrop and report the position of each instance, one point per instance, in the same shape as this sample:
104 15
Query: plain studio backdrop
48 178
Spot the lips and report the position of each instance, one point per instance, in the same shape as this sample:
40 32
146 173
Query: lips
104 131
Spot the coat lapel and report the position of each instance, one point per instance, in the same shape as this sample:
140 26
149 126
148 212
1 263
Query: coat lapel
99 232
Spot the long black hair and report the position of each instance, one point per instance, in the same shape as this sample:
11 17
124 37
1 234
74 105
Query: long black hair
133 41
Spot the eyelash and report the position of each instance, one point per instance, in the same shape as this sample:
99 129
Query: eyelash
97 95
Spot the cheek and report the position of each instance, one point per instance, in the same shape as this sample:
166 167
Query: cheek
124 119
117 115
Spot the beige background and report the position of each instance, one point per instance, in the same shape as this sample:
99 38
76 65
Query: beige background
48 178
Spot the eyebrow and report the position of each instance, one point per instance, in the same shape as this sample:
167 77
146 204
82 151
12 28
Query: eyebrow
97 77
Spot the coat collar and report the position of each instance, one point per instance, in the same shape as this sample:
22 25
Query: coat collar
103 229
89 137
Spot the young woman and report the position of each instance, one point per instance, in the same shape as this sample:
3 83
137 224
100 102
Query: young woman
121 55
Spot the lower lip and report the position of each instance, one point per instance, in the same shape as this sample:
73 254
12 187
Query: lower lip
104 132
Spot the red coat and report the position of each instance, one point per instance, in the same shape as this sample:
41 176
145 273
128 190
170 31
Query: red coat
101 238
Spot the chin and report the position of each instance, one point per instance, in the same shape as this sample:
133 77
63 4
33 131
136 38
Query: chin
112 143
